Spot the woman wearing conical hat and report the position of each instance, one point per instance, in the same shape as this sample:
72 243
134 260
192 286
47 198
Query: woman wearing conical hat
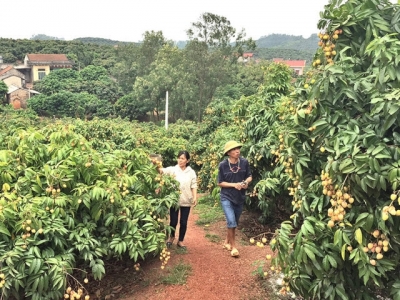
234 176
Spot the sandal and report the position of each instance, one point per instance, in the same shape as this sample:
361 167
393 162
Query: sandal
227 246
169 243
234 252
181 246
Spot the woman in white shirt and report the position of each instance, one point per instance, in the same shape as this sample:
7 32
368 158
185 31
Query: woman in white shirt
186 176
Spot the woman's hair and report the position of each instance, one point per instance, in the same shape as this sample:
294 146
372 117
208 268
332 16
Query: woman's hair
187 155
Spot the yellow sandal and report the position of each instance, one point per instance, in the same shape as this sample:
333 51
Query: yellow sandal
227 247
234 252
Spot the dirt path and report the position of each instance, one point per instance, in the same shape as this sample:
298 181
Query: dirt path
215 274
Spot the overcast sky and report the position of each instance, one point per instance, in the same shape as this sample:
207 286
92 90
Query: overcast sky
127 20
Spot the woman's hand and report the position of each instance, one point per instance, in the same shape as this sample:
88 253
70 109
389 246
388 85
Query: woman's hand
194 202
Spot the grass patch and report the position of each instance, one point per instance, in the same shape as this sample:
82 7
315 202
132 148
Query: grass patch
213 237
178 274
181 250
209 211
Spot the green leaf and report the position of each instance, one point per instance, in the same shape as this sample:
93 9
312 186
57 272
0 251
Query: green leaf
309 227
393 109
4 230
362 217
358 236
338 238
376 100
309 253
389 122
345 163
301 113
369 222
332 261
343 251
341 292
377 150
299 170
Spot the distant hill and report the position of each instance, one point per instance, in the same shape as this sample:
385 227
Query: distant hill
287 54
284 41
181 44
43 37
268 47
100 41
289 47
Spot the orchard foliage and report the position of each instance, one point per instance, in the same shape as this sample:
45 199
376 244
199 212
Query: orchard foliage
327 150
252 121
339 144
324 152
3 92
81 94
208 141
67 201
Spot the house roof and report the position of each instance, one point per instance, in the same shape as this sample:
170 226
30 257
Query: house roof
248 54
10 72
47 57
5 70
292 63
13 88
54 60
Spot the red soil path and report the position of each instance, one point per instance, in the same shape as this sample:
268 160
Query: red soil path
215 274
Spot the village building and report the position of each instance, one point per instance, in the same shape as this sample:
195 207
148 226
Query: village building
20 79
297 66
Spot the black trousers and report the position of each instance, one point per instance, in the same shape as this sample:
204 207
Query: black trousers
173 220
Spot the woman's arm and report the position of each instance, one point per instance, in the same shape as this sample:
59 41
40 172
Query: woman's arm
194 194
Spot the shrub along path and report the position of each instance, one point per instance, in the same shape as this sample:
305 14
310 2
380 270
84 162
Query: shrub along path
214 273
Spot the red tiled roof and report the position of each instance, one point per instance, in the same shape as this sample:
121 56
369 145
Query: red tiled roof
292 63
247 54
296 63
5 70
47 57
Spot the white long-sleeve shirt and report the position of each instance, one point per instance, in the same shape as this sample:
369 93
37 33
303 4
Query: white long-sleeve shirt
188 181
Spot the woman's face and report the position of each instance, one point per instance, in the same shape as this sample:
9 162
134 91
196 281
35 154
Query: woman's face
182 161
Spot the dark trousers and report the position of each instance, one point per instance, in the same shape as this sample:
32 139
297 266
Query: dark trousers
173 221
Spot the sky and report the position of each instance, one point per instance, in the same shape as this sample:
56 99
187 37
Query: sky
128 20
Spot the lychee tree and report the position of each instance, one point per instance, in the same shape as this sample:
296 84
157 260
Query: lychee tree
343 240
66 205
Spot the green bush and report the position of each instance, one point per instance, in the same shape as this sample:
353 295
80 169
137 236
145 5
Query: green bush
339 145
64 204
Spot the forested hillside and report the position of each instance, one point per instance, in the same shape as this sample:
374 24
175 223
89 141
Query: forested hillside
13 51
44 37
268 47
130 80
100 41
112 78
288 54
284 41
285 46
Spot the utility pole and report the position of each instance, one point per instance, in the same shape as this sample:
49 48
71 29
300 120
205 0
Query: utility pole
166 110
